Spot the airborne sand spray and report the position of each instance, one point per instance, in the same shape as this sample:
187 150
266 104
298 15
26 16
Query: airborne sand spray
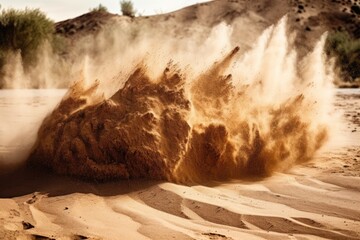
184 113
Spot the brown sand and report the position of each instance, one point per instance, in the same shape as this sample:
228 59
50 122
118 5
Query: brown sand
313 201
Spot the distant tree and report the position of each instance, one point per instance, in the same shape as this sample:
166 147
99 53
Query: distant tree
127 8
346 49
24 31
100 8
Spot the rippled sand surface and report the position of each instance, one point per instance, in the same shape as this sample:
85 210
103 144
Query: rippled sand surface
317 200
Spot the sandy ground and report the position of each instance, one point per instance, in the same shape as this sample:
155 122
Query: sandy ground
318 200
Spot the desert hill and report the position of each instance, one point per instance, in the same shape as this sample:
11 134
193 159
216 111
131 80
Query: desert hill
310 19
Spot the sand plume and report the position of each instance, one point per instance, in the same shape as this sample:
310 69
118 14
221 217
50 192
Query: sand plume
241 116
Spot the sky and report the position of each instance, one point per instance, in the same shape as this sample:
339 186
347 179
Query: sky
59 10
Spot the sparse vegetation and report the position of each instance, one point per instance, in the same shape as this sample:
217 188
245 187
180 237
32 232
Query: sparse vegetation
127 8
346 49
24 31
355 9
100 8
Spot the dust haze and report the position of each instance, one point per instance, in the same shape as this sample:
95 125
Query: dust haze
142 104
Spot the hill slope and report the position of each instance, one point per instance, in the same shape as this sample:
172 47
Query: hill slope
249 18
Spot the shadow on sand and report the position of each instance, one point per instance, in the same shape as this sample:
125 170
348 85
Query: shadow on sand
28 179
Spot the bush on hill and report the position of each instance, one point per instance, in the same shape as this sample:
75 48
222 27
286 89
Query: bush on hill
127 8
346 49
100 8
24 31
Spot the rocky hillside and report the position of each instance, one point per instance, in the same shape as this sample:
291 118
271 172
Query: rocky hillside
309 18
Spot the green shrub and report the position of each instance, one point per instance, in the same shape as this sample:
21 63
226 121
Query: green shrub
346 49
100 8
24 30
127 8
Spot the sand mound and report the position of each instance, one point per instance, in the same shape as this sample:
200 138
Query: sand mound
179 128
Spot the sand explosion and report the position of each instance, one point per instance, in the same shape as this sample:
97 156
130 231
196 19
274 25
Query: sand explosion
242 116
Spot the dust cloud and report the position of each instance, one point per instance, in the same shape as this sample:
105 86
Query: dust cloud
190 109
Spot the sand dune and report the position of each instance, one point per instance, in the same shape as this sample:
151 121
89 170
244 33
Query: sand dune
300 204
318 200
